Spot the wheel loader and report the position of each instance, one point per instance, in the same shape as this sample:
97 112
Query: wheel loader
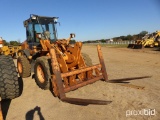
9 50
149 40
58 65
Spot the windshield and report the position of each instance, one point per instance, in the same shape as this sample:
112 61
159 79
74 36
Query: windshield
46 30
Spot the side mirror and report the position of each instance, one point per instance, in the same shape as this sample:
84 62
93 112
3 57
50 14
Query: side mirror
25 23
72 35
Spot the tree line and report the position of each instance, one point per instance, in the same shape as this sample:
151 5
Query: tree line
17 43
13 43
120 38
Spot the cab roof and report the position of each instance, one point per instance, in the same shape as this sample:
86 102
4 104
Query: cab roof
39 19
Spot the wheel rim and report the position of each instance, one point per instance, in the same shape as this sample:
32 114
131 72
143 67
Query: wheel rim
40 74
19 65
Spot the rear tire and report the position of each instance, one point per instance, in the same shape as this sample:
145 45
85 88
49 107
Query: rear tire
87 59
24 67
42 72
9 85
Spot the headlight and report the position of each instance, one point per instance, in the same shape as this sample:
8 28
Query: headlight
39 35
55 19
72 35
34 17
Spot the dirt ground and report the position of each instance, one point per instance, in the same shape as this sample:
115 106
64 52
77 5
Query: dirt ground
127 98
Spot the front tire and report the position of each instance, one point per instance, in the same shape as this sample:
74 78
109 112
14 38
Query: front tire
42 72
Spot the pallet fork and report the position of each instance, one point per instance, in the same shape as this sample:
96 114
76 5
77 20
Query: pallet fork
58 76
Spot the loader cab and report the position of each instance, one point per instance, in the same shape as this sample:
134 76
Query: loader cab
40 28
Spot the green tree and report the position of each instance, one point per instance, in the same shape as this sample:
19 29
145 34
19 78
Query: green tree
122 37
103 40
14 43
143 33
115 39
135 37
72 41
129 37
5 42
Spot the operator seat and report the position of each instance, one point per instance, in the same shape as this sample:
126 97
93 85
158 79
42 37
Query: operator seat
47 34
